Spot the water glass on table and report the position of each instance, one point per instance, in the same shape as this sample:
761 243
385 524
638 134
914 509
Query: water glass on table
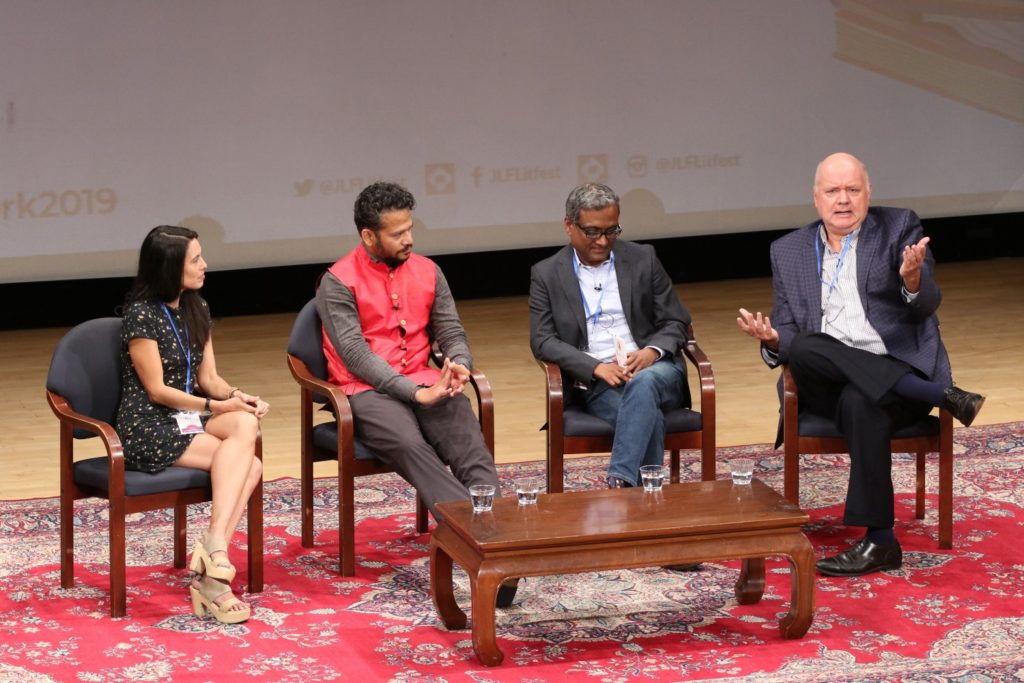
482 496
527 489
742 470
652 476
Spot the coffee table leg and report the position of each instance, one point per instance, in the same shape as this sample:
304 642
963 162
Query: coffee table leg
750 585
801 607
441 589
485 592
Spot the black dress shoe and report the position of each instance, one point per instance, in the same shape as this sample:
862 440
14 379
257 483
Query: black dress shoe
616 483
864 558
507 592
963 404
688 567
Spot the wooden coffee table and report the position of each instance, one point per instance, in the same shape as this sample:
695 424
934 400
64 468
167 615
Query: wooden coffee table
589 531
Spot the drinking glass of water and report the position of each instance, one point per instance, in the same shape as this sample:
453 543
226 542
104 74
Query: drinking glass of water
527 489
652 476
742 470
483 497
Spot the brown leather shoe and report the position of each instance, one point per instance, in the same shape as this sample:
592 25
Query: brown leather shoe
964 405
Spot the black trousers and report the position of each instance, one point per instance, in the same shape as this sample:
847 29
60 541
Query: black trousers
853 388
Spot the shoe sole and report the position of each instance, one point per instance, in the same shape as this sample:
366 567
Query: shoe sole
886 568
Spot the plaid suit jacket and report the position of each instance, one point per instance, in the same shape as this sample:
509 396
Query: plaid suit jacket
910 330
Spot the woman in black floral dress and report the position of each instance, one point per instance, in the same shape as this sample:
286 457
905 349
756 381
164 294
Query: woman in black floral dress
176 411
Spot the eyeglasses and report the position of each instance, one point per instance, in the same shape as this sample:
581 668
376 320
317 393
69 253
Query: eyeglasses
593 233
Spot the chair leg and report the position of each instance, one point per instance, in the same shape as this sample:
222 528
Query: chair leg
946 491
421 515
920 488
708 469
67 540
346 525
556 466
254 524
306 500
180 534
674 465
118 599
791 474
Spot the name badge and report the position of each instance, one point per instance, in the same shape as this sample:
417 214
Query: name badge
620 351
189 422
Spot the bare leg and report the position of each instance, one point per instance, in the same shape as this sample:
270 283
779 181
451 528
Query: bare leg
227 451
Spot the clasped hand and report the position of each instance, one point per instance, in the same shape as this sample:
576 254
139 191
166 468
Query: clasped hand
452 382
241 401
614 374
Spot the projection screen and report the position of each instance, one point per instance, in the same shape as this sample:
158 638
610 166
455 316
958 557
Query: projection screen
257 121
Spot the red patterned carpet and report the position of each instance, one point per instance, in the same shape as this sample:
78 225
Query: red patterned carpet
945 616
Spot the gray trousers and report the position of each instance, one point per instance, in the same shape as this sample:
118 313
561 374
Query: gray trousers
439 449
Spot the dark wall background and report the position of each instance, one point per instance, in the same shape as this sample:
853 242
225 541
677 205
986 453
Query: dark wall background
481 275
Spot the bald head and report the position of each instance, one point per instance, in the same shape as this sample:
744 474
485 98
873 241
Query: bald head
842 193
841 159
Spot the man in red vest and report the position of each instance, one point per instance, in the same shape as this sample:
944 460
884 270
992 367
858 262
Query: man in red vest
381 306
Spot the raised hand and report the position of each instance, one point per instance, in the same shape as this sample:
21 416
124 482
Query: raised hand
910 269
759 327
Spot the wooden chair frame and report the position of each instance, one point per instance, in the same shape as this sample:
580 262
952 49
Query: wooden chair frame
122 505
940 442
559 445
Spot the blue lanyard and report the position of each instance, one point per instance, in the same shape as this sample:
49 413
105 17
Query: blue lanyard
586 306
839 265
187 350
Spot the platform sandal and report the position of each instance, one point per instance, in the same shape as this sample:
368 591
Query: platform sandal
203 564
204 599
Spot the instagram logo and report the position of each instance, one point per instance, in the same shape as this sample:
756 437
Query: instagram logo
592 168
440 178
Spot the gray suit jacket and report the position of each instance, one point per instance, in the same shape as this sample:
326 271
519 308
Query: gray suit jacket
910 330
558 327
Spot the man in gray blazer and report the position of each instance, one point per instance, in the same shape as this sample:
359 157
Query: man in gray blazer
603 309
854 318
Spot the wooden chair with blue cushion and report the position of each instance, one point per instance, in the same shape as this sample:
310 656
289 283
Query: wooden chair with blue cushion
571 430
335 439
83 388
804 432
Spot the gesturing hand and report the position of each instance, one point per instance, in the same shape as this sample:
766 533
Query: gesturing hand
910 269
759 327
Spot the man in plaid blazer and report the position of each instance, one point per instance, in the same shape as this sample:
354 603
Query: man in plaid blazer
854 318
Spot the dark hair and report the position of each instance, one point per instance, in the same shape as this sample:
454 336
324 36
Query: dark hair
380 198
161 264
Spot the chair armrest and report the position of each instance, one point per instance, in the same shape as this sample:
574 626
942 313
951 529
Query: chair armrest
554 390
70 419
692 352
310 384
307 380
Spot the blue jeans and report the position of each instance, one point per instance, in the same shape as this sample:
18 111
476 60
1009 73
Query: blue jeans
635 409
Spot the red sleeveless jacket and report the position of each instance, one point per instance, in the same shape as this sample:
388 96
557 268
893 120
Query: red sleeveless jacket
394 313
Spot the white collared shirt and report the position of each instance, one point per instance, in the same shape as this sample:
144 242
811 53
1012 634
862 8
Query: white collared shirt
602 305
842 312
